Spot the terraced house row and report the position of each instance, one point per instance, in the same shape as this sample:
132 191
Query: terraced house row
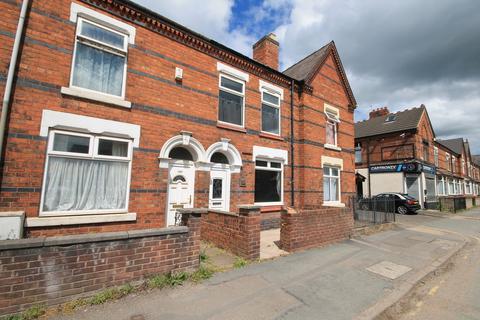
399 152
118 118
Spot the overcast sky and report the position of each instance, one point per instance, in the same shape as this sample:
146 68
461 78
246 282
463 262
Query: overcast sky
398 54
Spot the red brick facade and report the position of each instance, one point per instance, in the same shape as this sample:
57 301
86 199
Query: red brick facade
162 107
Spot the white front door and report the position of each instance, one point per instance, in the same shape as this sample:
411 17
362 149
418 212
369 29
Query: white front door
219 189
181 182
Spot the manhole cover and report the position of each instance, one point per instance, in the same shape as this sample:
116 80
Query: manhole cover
389 269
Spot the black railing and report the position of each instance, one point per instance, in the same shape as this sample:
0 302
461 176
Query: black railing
373 210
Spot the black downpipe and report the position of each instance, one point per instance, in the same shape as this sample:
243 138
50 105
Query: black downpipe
292 156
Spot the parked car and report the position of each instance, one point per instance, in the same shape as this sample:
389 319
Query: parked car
391 202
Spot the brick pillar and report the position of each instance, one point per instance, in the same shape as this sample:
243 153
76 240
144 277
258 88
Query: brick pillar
288 229
202 188
250 219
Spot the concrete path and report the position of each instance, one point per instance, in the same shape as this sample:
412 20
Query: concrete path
357 278
269 241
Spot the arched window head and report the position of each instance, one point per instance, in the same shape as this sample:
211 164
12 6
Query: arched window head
218 157
180 153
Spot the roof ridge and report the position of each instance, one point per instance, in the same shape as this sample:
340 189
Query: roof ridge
308 56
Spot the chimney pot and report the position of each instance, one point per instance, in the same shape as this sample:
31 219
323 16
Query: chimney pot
379 112
266 51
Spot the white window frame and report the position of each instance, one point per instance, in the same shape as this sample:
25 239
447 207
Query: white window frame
339 196
102 46
279 96
332 115
358 149
220 87
449 163
435 156
93 155
269 168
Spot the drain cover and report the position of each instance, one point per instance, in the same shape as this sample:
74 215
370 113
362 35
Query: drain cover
389 269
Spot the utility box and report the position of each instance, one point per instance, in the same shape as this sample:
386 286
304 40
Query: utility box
11 225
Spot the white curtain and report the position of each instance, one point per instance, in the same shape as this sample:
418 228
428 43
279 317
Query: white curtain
98 70
80 184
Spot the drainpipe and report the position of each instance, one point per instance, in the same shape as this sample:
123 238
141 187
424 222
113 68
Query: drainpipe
292 156
368 166
11 72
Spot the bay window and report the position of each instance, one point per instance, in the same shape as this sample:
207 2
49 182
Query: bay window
268 182
86 174
270 113
100 59
231 100
331 184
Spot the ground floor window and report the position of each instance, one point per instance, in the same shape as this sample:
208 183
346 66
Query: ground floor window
441 186
268 182
86 174
331 184
468 187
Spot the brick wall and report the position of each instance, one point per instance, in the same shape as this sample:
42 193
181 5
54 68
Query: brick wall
58 269
270 220
313 228
239 234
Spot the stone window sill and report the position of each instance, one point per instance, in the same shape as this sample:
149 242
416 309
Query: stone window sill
270 136
85 219
231 127
95 96
334 204
332 147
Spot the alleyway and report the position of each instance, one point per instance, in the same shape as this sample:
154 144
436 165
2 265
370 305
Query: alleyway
355 279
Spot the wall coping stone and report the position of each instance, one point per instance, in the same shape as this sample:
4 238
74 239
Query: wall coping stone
249 207
196 212
86 238
227 213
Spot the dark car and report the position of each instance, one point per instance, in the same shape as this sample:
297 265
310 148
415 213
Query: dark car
391 202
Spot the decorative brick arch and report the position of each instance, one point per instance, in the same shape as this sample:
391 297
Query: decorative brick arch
229 150
184 140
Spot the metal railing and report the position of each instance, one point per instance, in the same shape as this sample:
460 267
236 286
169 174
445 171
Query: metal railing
373 210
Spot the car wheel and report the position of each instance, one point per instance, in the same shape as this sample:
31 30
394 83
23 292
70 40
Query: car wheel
402 210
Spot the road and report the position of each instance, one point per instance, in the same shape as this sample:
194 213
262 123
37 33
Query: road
453 292
354 279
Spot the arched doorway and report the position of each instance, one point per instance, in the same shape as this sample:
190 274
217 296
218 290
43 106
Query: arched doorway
179 155
224 159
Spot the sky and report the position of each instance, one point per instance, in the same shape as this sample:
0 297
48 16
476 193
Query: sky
398 54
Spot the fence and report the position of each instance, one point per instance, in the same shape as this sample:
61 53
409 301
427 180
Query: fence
373 210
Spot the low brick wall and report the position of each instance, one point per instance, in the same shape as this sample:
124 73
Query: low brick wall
312 228
58 269
237 233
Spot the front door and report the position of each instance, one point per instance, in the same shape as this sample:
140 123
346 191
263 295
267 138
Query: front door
181 181
219 190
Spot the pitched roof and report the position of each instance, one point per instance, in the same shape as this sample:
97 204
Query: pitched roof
476 160
404 120
307 68
456 145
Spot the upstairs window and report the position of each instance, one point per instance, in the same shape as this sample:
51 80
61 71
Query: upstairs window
86 174
271 113
435 155
358 154
231 100
100 59
331 126
449 163
426 153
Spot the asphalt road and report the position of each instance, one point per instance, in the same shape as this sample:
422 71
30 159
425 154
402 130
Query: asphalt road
453 292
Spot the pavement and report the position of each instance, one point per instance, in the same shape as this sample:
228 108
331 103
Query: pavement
353 279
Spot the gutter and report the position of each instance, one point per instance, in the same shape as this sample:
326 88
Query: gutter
292 148
11 72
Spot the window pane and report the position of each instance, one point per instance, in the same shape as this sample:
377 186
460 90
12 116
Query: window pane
334 172
270 119
232 85
330 133
271 98
180 154
230 108
68 143
98 70
217 188
326 189
79 184
103 35
218 157
326 171
334 189
112 148
268 186
275 164
261 163
358 155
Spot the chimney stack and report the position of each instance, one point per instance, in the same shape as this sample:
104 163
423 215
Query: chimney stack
266 51
379 112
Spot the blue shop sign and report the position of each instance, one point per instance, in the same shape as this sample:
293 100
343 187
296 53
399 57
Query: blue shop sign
399 167
429 169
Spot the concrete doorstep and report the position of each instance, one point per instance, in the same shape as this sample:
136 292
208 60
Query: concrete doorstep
354 279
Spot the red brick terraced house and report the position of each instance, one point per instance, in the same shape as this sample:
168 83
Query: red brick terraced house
118 117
